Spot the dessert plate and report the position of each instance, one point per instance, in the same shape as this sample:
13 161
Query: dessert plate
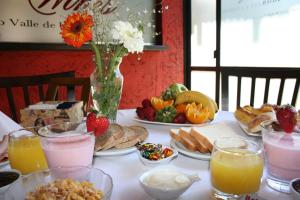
169 124
181 149
115 152
245 129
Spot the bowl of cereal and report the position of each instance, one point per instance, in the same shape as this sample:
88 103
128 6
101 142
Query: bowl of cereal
54 183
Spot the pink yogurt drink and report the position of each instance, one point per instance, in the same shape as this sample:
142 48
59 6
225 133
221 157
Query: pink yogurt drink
282 152
68 149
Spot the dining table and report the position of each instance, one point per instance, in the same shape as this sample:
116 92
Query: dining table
125 168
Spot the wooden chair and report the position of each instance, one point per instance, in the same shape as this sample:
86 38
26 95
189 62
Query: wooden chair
70 84
268 74
24 82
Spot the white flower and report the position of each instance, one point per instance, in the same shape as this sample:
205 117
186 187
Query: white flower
129 36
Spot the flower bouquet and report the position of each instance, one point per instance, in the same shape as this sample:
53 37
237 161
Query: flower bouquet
110 39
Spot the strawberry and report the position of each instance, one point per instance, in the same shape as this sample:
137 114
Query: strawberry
97 124
287 117
146 103
90 121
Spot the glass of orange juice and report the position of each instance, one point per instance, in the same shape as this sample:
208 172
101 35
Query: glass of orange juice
236 168
25 151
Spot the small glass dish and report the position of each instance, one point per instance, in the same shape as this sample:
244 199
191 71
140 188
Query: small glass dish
295 188
29 183
163 161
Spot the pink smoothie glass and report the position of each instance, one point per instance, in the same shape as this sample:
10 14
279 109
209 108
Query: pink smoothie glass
282 153
67 144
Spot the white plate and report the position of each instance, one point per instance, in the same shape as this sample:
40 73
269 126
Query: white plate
4 163
245 129
181 149
115 152
168 124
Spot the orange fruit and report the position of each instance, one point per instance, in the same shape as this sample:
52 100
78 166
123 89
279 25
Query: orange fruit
158 103
181 108
196 115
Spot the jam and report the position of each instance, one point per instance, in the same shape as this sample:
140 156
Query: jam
7 178
296 185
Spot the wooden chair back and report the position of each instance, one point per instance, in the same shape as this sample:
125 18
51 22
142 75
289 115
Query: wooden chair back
9 83
69 84
268 74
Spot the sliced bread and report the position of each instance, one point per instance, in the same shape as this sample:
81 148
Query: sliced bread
206 141
208 134
187 143
185 135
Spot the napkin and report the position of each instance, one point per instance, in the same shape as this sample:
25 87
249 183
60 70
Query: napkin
7 125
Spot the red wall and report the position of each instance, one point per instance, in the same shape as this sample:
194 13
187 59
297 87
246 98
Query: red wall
142 78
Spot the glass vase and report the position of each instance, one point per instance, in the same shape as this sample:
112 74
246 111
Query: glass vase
106 90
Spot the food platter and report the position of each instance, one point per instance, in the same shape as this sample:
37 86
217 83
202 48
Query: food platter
115 152
245 129
181 149
169 124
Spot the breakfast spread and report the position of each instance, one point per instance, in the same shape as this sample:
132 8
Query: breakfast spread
179 105
120 137
252 117
66 189
152 151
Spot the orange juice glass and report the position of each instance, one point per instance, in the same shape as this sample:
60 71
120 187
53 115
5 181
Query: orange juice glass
25 151
236 168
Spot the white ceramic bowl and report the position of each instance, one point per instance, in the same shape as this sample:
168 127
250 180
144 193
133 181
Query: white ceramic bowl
154 163
166 183
5 183
295 193
28 183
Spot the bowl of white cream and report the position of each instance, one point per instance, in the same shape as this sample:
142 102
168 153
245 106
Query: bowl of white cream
166 182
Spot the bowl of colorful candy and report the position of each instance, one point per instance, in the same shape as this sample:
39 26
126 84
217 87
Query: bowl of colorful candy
152 154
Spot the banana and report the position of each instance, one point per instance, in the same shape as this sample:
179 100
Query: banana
215 105
198 97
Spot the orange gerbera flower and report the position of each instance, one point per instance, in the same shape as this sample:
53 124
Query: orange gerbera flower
77 29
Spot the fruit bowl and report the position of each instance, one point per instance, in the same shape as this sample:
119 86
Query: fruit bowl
100 180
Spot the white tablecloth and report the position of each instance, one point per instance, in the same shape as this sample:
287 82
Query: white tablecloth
126 169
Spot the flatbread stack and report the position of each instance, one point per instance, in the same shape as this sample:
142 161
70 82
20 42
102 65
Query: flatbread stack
120 137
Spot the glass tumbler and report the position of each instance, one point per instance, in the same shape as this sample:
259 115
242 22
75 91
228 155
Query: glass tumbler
67 144
236 168
282 152
25 151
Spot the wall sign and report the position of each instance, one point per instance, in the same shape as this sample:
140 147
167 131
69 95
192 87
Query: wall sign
38 21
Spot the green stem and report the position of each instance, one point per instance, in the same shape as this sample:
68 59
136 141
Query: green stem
97 58
113 61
